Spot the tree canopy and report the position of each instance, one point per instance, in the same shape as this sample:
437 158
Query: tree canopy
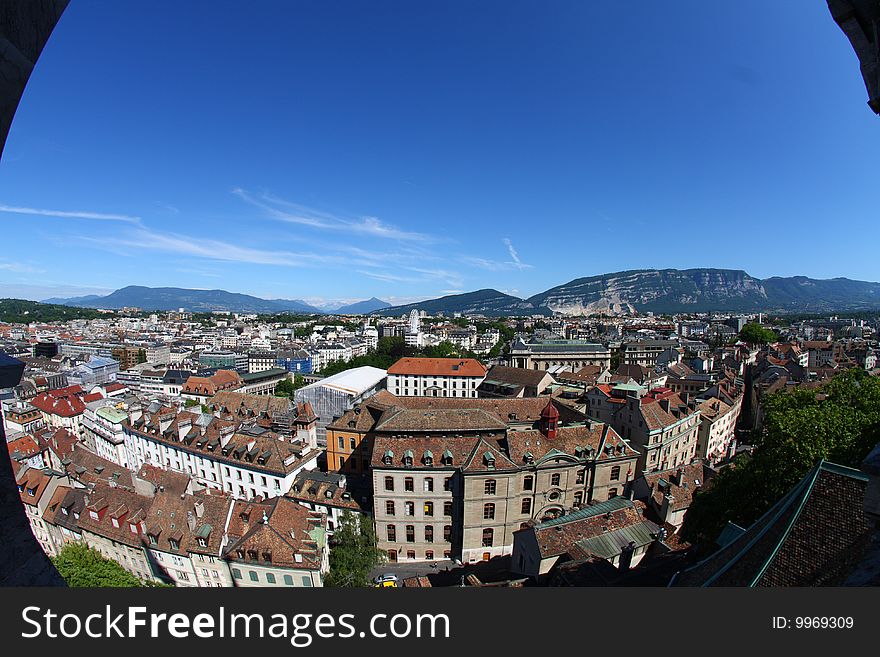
839 422
755 334
19 311
286 388
353 552
82 566
391 349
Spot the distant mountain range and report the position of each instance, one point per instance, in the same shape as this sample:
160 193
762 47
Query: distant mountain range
665 291
172 298
362 307
642 290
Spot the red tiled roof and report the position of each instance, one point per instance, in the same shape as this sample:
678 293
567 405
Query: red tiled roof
438 367
54 404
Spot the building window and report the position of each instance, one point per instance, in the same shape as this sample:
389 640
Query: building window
489 487
288 580
447 483
429 508
429 554
429 534
236 573
254 577
615 473
270 578
389 483
392 534
489 511
580 477
528 482
554 479
410 508
341 442
447 508
408 484
429 484
351 443
389 507
488 536
411 554
410 533
527 505
447 533
612 492
578 498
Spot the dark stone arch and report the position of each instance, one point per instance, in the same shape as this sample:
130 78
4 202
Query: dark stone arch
25 26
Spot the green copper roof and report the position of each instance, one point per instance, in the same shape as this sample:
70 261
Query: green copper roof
614 504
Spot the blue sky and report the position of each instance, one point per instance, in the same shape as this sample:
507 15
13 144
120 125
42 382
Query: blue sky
341 150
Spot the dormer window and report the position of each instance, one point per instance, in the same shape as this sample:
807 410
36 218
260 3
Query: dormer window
32 492
133 527
21 488
93 515
154 540
240 554
175 545
408 458
388 457
428 457
202 542
115 522
447 457
489 460
252 555
267 556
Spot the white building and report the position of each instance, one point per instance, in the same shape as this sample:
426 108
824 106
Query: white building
102 427
436 377
246 462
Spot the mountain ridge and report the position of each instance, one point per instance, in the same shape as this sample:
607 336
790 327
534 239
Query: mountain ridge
665 291
661 291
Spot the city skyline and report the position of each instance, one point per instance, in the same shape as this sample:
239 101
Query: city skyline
403 153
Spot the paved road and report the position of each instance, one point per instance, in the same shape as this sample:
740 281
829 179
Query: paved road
449 573
404 569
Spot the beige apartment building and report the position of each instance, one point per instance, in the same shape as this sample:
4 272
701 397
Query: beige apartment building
459 482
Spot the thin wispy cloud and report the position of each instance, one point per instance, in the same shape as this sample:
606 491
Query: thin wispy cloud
451 278
167 207
20 268
388 278
514 256
483 263
295 213
65 214
198 247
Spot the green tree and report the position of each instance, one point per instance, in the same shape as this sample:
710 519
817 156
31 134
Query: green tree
189 403
755 334
81 566
142 356
284 388
353 552
839 423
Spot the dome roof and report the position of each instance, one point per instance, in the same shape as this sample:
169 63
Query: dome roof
550 412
